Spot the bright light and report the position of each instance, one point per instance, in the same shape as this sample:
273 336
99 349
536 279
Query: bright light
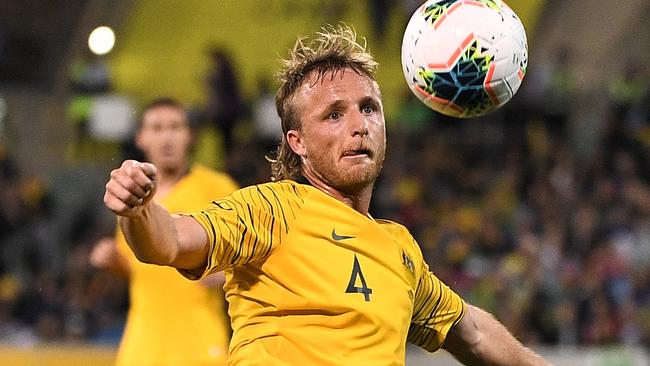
101 40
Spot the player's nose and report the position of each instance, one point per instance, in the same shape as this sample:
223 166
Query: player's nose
359 124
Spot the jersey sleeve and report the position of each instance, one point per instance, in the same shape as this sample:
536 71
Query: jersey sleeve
436 309
247 225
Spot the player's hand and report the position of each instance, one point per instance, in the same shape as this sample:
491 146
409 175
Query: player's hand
106 256
104 253
215 280
130 188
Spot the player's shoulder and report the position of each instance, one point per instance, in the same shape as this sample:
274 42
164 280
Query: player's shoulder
203 173
276 192
394 228
401 235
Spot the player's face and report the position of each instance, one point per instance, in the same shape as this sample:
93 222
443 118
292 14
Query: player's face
342 137
165 137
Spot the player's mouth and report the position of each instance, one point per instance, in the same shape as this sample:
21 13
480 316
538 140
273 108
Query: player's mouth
358 153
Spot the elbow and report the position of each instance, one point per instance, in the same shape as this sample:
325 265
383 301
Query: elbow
476 345
480 344
467 340
478 349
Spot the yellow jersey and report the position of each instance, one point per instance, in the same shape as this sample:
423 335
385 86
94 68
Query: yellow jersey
311 281
173 321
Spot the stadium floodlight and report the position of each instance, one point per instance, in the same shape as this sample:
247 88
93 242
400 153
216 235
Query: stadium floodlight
101 40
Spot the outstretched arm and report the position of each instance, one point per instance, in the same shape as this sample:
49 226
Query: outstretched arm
479 339
154 235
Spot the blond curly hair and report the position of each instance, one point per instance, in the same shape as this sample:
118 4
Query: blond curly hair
334 49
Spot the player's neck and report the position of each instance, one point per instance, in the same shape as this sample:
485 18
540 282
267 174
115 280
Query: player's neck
359 200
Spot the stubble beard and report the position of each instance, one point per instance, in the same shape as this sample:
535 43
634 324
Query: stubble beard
352 181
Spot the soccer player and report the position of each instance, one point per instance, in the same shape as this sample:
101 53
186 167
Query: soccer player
171 320
312 277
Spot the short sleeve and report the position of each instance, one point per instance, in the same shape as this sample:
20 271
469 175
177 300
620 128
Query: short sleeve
436 309
247 225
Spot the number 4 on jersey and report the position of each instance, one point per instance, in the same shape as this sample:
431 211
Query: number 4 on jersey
356 272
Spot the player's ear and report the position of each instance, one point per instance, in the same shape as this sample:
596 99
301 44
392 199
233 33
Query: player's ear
295 142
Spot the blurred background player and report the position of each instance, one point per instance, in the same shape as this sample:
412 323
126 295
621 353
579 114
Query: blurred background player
225 105
171 321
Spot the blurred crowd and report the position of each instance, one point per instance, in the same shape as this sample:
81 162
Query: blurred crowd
555 243
48 291
557 248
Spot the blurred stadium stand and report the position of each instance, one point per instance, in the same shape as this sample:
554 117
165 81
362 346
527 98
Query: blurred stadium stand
539 213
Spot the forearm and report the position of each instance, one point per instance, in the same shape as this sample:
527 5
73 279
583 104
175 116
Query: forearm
490 343
499 347
151 234
154 235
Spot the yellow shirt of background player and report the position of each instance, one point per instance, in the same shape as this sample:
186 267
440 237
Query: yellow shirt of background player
314 282
173 321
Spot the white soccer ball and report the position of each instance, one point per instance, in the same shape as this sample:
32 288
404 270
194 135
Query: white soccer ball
464 58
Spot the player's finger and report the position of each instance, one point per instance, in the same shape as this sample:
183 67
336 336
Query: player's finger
131 185
122 194
129 163
114 204
132 166
135 179
149 170
140 178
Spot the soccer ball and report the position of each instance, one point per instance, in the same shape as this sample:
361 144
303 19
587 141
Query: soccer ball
464 58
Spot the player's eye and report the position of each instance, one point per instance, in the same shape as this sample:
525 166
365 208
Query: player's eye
335 115
367 109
